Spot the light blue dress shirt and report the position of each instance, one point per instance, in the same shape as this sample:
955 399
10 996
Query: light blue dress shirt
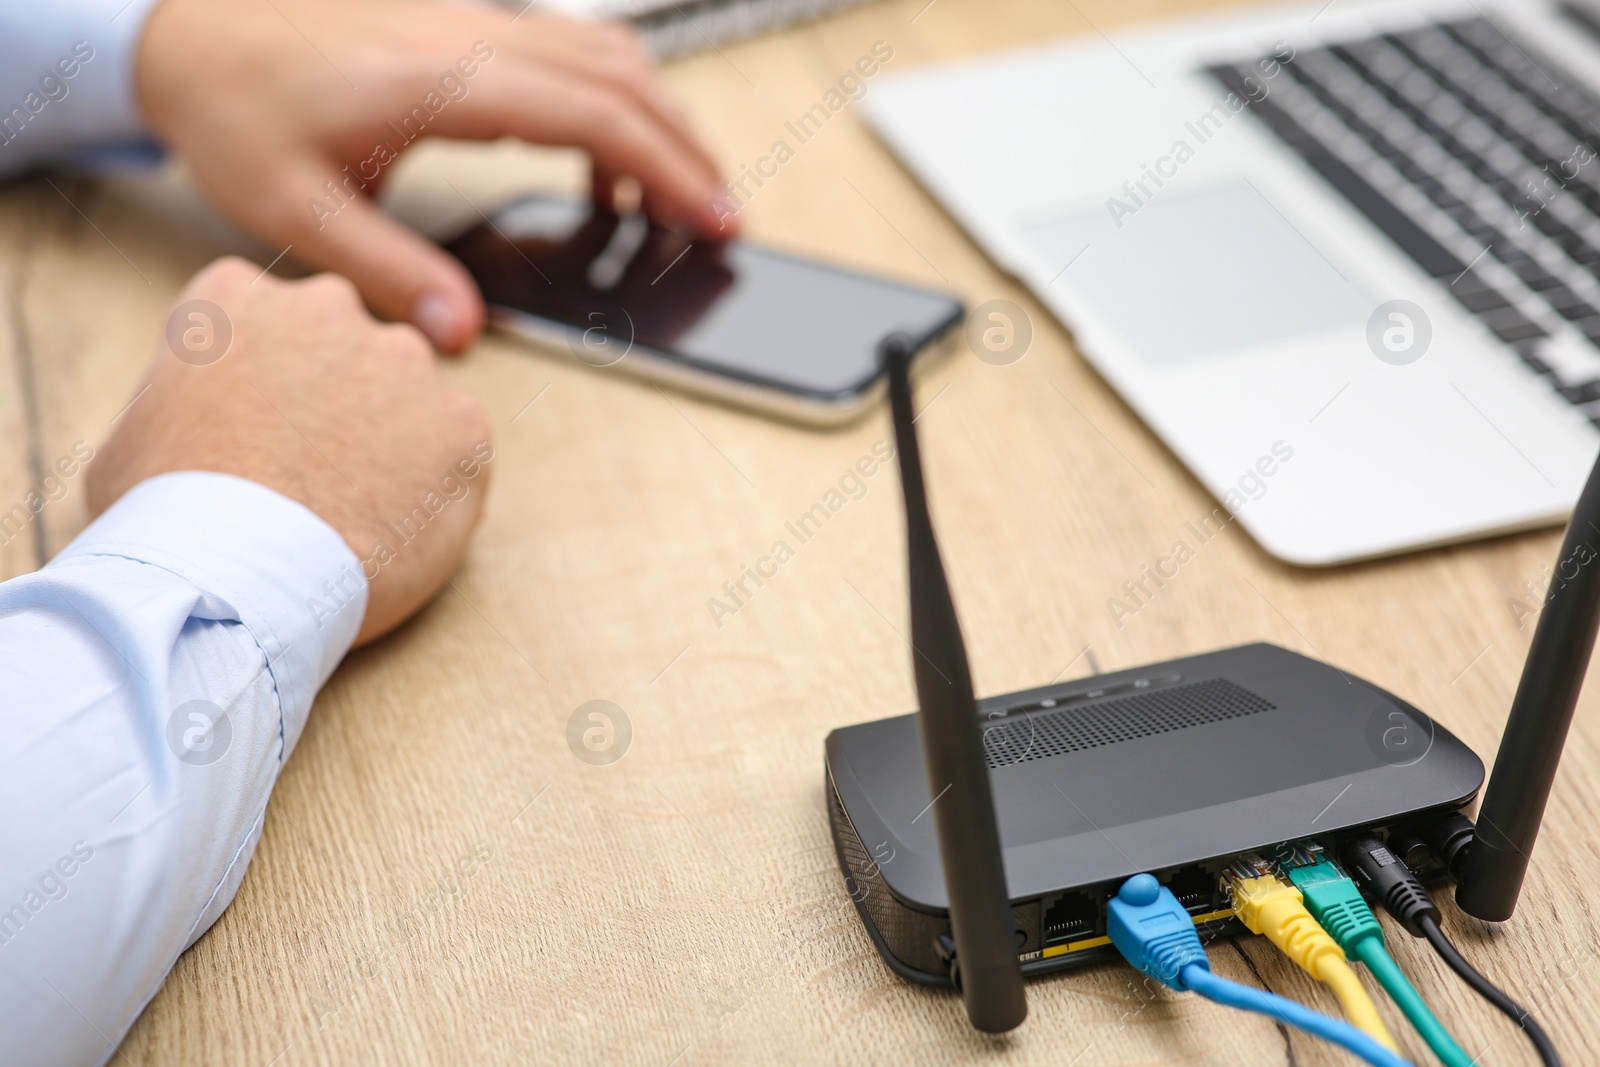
153 679
67 82
157 673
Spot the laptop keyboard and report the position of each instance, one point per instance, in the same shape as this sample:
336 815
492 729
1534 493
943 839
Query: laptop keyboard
1476 155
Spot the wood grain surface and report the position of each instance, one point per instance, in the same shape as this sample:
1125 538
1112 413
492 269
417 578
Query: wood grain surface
442 881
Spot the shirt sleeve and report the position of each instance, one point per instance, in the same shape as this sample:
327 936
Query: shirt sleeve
67 82
153 679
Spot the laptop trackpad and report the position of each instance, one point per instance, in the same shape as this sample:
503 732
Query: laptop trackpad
1198 273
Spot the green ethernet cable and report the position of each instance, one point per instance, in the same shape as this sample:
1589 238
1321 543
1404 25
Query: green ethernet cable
1336 903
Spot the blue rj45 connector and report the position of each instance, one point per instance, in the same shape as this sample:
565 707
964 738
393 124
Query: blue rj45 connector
1155 934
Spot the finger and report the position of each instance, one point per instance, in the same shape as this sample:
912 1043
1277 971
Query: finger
400 274
620 194
727 219
223 278
544 106
612 54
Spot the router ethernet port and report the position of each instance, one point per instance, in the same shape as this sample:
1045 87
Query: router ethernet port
1195 889
1070 917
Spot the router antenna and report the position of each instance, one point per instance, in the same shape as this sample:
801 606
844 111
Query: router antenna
1489 875
985 967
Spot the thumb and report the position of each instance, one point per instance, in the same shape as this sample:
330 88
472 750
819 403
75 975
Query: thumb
400 274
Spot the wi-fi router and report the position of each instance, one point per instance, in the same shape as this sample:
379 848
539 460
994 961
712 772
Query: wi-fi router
980 840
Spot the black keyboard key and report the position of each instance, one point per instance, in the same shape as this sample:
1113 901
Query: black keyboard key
1569 304
1585 393
1533 274
1568 241
1554 229
1538 366
1524 332
1528 352
1413 172
1480 300
1515 257
1469 281
1509 324
1509 192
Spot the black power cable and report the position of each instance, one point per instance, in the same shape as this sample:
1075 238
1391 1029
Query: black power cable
1488 990
1386 878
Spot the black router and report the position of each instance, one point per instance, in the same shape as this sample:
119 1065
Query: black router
987 851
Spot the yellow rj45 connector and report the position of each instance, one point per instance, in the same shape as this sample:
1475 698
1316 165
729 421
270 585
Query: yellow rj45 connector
1268 905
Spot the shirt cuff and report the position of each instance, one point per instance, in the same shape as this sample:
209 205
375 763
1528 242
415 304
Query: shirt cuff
54 115
282 572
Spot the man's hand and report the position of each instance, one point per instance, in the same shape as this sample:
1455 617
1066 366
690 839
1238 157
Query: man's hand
314 399
290 114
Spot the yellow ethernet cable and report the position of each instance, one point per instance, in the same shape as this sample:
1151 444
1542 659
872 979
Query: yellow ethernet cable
1268 905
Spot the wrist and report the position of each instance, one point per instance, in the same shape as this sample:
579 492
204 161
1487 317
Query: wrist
175 60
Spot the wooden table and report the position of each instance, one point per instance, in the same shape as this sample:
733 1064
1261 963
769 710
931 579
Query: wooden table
441 880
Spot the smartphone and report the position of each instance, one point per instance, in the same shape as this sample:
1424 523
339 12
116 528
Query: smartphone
731 320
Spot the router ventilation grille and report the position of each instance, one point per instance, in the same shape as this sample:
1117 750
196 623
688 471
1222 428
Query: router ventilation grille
1040 735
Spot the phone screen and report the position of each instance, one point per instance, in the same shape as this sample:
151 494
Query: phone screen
615 282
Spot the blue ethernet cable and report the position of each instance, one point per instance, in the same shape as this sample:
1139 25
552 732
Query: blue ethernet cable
1155 934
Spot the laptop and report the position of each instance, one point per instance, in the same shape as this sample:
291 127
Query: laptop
1343 259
